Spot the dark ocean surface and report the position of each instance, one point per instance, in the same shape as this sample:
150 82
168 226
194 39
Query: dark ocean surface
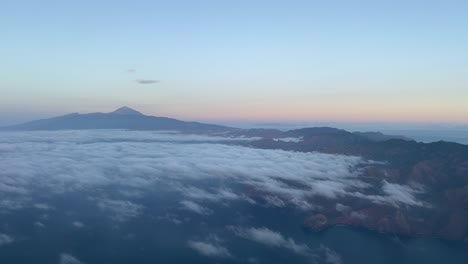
160 234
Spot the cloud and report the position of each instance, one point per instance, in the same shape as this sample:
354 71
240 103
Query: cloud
7 148
68 259
42 206
253 260
200 170
213 195
6 239
357 215
39 224
209 249
14 203
120 210
171 218
342 208
78 224
196 208
395 195
326 255
271 238
10 140
268 237
290 139
401 194
141 81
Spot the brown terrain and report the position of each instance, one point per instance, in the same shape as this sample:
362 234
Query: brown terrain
440 167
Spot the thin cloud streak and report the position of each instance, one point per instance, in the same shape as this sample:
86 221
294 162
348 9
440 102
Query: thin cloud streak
143 81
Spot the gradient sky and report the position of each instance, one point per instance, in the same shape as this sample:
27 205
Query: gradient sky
404 61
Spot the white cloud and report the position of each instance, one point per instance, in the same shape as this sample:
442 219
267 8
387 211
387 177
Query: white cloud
209 249
268 237
171 218
7 147
68 259
342 208
10 139
136 161
271 238
120 210
326 255
10 204
42 206
78 224
290 139
401 194
6 239
395 195
194 207
39 224
357 215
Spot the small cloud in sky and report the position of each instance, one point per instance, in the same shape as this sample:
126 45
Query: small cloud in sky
146 81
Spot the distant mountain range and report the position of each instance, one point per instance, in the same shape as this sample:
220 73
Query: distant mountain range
128 118
122 118
440 168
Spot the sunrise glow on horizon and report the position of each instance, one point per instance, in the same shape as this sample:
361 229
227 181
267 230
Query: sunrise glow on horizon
386 61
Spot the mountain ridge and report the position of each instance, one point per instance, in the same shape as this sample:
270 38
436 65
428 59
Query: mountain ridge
121 118
125 110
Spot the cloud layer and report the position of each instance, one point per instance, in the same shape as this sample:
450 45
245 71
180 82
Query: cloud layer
135 161
127 174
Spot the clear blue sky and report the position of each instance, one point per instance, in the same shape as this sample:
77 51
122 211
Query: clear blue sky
236 60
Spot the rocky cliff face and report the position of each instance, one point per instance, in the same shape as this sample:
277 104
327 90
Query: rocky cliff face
439 169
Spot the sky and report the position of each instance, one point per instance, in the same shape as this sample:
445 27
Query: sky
344 61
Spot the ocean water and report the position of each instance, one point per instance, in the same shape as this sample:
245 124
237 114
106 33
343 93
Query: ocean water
155 236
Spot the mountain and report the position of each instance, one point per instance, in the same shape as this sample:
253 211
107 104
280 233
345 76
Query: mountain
126 111
317 131
438 171
378 136
122 118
